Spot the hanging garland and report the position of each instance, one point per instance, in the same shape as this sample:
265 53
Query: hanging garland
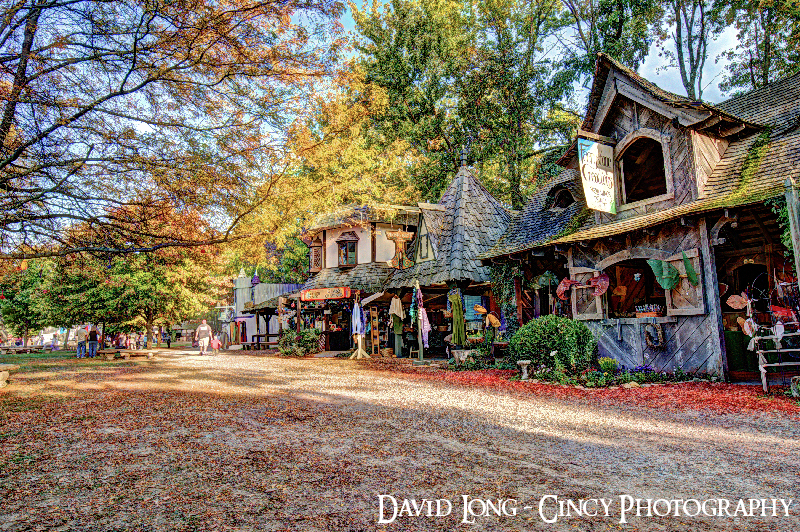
502 277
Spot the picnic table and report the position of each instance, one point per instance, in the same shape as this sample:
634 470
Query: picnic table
17 349
111 354
259 339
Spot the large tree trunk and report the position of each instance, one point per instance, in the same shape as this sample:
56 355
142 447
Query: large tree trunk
148 331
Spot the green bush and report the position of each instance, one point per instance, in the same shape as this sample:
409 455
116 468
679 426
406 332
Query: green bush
607 365
293 343
573 342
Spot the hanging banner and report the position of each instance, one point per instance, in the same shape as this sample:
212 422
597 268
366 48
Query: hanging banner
319 294
597 173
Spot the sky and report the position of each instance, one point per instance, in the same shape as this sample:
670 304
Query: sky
653 67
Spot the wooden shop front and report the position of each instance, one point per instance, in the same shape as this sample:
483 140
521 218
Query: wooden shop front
677 194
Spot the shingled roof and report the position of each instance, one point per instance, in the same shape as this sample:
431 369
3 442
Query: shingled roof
368 277
540 222
774 156
470 224
355 215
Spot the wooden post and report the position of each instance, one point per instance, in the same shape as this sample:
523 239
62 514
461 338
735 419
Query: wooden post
299 307
713 303
794 223
419 326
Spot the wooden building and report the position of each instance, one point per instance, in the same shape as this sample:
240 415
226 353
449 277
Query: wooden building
349 255
451 236
691 187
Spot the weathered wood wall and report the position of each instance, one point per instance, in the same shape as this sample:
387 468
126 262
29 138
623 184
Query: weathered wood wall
692 343
627 117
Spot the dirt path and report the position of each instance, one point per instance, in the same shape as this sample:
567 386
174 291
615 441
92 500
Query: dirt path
246 443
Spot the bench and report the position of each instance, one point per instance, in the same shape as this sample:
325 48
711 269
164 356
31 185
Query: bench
16 350
763 365
110 354
5 373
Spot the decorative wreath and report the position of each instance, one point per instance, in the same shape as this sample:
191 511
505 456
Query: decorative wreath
654 339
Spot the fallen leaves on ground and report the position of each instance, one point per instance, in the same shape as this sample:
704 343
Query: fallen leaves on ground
716 397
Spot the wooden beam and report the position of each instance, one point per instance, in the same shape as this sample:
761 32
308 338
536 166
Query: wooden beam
792 205
711 293
595 136
767 238
686 222
710 121
373 235
731 130
741 252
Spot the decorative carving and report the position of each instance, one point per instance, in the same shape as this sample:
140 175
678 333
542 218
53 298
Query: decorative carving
400 260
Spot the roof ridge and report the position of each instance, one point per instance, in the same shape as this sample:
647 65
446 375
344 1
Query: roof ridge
757 90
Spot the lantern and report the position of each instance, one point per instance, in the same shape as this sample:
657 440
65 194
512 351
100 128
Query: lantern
315 258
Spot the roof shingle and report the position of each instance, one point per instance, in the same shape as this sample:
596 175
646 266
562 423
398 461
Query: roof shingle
469 225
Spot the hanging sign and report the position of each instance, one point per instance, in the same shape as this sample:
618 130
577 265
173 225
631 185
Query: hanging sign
597 173
319 294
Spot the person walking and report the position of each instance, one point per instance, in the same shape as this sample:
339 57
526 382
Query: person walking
91 345
215 345
80 337
203 336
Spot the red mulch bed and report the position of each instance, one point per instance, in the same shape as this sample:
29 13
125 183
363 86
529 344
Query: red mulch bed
716 397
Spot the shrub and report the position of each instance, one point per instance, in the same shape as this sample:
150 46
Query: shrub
607 365
574 345
293 343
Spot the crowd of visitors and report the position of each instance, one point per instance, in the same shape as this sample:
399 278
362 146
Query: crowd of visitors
87 340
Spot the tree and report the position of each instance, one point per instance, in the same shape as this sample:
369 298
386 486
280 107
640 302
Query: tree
466 75
509 100
18 292
134 290
416 50
123 103
763 52
693 29
619 28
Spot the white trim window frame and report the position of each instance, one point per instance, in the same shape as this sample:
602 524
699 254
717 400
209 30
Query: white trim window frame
619 150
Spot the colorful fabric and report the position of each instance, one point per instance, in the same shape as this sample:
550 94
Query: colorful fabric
690 272
396 308
459 328
666 274
426 326
357 320
397 324
565 284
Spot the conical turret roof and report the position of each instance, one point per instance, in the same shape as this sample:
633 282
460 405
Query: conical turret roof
470 221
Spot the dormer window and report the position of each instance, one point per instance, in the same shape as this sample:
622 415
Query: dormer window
644 176
643 170
348 249
563 199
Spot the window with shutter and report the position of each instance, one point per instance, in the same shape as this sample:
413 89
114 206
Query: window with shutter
686 299
585 305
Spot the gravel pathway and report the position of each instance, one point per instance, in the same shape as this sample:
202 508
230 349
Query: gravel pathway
237 442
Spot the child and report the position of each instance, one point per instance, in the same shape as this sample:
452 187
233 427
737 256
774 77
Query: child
215 345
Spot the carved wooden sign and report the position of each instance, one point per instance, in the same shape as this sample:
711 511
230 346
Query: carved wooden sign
597 174
400 259
320 294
